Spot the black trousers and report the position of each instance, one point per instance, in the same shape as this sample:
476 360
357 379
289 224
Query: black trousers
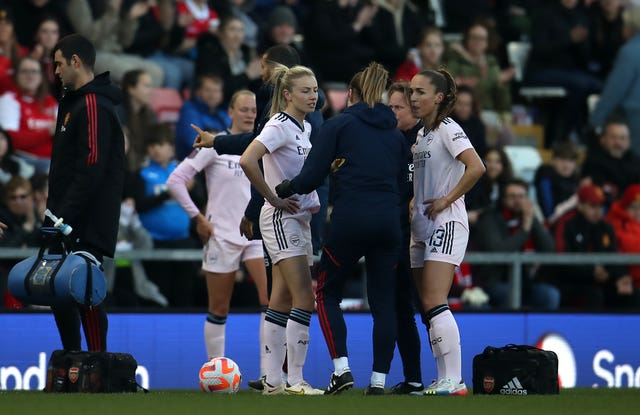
94 323
352 235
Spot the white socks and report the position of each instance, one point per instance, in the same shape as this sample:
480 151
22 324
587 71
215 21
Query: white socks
340 365
214 335
297 343
445 344
275 345
263 353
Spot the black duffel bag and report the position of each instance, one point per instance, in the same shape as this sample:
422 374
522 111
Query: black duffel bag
515 370
91 372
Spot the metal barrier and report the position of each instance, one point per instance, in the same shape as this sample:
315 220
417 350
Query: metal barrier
514 260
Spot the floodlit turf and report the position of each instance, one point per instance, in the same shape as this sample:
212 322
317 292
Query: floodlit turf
574 401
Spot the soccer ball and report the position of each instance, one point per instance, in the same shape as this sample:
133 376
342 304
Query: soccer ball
220 375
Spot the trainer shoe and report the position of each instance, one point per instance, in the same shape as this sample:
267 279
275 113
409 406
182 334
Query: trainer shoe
302 388
257 384
340 383
406 388
272 390
446 387
374 390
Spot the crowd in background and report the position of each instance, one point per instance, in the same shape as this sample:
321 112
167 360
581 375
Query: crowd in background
586 198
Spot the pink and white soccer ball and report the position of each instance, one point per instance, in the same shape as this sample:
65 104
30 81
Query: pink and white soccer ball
220 375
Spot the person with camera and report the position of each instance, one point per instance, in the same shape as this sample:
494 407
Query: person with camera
87 176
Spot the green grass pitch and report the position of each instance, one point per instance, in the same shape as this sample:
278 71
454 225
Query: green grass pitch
193 402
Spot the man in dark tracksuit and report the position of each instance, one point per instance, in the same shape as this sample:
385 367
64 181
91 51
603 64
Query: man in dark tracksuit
87 175
368 157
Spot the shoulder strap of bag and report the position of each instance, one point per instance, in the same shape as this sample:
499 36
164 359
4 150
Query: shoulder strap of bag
89 285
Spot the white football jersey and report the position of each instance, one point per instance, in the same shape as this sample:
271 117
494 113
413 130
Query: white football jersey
288 144
436 173
228 192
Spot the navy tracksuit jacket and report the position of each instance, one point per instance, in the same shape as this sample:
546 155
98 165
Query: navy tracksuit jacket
367 156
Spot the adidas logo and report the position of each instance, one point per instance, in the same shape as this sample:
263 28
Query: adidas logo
514 387
434 249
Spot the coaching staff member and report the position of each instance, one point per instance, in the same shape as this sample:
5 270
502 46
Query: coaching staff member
87 175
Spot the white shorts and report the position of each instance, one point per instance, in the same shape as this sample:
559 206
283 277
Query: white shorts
448 243
221 256
286 235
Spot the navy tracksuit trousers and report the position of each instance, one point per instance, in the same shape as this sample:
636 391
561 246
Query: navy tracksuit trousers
354 233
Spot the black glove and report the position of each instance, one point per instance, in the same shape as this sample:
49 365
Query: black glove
284 189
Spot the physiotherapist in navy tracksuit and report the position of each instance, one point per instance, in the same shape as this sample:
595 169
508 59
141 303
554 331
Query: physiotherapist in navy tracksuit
367 156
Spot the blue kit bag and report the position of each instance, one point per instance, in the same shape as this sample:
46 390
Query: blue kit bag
57 276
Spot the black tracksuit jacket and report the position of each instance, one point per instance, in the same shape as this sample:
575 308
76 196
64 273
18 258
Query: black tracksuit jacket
86 178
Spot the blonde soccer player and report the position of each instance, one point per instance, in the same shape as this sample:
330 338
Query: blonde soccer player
283 146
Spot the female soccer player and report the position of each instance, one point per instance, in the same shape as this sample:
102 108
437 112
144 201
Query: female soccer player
224 247
283 146
445 167
368 157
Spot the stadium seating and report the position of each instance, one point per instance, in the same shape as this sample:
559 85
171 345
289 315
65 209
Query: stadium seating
166 102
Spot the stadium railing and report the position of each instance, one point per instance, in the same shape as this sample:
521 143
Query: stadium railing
515 261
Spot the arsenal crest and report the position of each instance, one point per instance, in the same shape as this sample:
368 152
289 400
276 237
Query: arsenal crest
488 383
73 374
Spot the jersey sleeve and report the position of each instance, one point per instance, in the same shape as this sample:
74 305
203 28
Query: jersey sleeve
272 137
201 158
455 139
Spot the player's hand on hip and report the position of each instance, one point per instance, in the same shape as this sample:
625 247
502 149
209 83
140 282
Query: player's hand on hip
435 206
204 228
290 204
246 228
203 139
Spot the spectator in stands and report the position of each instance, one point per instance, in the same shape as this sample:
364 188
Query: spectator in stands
46 38
459 14
29 115
513 227
201 18
31 14
613 165
466 113
560 53
281 29
163 218
204 110
10 165
556 183
606 34
487 193
624 216
585 230
226 56
243 10
514 19
10 50
111 28
136 114
19 214
153 42
394 30
472 66
621 91
336 35
427 55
